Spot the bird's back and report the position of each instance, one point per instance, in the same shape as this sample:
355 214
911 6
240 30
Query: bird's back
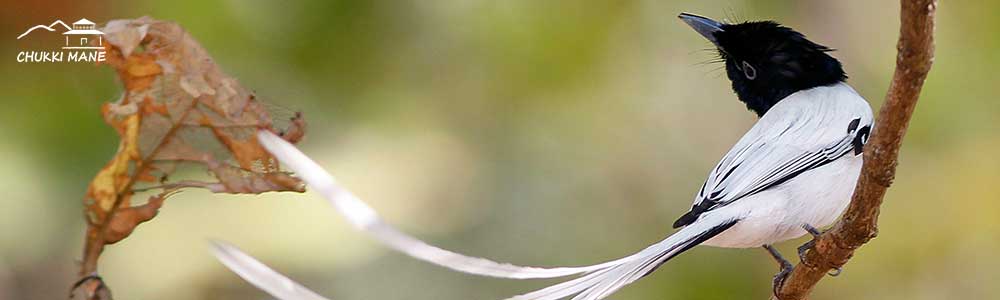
817 121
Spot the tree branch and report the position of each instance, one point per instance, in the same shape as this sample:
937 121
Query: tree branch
859 225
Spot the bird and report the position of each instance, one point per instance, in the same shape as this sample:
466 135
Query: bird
792 172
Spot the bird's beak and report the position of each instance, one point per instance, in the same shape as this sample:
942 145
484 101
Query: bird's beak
704 26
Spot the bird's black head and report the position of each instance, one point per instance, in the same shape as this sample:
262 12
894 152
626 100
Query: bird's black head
766 61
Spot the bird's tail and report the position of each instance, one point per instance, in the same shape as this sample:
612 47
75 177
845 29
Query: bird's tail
260 275
366 219
598 281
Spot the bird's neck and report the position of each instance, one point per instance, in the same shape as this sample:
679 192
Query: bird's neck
759 98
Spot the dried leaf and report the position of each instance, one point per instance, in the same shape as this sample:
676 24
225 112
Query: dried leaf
126 34
178 109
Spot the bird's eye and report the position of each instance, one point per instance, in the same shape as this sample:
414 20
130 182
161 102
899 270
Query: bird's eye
749 71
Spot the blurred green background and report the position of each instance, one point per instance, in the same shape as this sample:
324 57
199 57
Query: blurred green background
535 132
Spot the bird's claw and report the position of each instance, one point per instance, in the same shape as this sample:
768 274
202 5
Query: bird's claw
786 268
808 245
805 247
779 279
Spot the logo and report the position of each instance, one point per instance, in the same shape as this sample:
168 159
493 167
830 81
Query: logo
81 43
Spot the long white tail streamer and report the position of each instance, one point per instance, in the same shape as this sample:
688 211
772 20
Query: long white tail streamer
599 281
593 286
260 275
366 219
602 283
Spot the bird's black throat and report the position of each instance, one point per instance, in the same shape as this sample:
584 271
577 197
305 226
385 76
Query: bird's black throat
766 62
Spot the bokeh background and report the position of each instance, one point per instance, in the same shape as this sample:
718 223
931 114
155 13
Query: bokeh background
535 132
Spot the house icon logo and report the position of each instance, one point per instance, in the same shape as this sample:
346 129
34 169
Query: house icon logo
79 37
82 43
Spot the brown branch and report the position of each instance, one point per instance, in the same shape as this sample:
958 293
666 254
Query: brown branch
835 247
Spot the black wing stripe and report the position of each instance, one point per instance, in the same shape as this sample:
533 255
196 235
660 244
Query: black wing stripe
687 245
817 160
805 163
730 172
735 160
781 174
783 179
783 168
860 139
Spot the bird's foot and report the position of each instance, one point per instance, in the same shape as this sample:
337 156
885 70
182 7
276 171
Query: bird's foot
808 245
805 247
779 279
786 269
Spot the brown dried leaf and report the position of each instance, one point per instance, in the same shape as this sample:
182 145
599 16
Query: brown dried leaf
178 109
